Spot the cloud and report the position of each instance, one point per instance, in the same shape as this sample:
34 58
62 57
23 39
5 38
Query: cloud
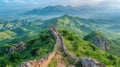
67 2
84 2
60 2
14 1
112 3
43 3
20 1
6 1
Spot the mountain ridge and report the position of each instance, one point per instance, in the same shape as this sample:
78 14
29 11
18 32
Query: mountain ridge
83 11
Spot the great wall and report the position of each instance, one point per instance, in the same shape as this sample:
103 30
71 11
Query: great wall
60 47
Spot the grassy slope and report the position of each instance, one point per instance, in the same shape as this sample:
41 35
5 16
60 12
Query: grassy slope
81 48
6 34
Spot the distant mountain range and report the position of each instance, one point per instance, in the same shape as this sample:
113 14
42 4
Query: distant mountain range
83 11
60 10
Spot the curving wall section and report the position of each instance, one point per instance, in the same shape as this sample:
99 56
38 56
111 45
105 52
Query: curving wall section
43 62
84 62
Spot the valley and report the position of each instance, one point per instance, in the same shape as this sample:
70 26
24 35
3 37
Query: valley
87 39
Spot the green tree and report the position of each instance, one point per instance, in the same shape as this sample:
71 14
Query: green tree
35 51
14 57
3 62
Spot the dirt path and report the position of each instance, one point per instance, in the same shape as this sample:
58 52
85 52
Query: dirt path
61 62
59 56
56 57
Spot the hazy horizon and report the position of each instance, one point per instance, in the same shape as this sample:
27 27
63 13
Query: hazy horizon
10 7
22 4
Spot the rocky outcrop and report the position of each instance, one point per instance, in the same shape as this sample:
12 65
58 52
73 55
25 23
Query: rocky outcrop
19 47
88 62
98 39
101 42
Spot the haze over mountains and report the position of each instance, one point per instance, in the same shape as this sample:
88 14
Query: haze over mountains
31 30
81 11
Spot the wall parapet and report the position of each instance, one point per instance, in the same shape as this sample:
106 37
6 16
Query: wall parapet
85 62
43 62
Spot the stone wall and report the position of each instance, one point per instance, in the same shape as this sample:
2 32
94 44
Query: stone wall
85 62
43 62
66 51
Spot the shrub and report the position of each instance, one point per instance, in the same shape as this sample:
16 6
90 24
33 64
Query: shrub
3 62
14 57
35 51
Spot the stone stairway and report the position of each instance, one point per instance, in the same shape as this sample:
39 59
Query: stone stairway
57 52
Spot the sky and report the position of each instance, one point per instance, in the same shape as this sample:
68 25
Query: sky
10 6
23 4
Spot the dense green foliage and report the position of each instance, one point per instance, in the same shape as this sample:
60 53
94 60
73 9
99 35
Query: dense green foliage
81 48
36 48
